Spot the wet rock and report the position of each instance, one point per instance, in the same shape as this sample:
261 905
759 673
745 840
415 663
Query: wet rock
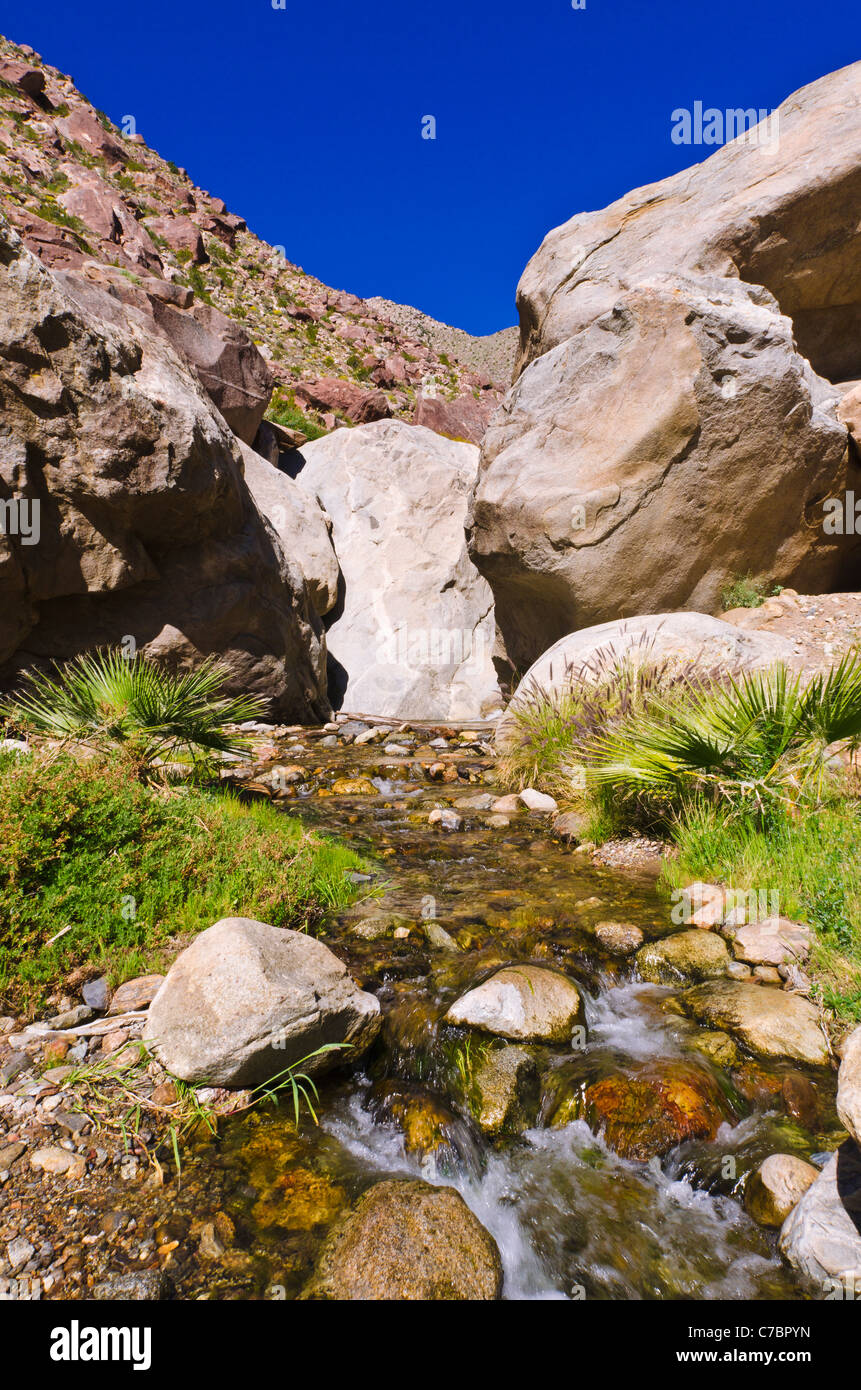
10 1154
686 955
18 1252
801 1100
147 1286
777 1186
526 1003
620 938
506 805
646 1111
773 941
437 936
498 822
14 1065
354 786
507 1091
718 1047
849 1085
408 1241
819 1236
770 1022
445 818
767 975
537 801
247 1000
135 995
428 1126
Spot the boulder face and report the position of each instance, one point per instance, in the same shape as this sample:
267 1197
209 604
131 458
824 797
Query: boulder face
300 524
144 526
413 633
408 1241
667 431
819 1237
245 1001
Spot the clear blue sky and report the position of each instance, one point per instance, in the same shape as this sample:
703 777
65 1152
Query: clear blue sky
307 120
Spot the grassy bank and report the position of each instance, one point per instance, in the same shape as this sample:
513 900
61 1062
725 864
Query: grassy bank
743 776
99 869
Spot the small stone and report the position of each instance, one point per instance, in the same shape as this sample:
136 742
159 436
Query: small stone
15 1064
437 936
768 974
498 822
148 1286
506 805
354 786
55 1049
71 1017
10 1154
445 818
57 1075
19 1251
773 941
571 826
96 994
59 1163
210 1247
135 995
401 933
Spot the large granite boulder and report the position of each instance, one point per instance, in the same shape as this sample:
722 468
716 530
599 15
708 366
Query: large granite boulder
146 529
299 522
408 1241
413 634
669 429
245 1001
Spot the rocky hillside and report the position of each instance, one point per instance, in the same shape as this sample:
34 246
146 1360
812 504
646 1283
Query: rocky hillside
85 196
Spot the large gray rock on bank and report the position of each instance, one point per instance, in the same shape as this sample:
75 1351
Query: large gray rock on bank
670 429
819 1236
849 1086
246 1000
146 527
413 636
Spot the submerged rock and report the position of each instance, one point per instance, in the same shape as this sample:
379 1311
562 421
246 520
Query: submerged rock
408 1241
647 1110
687 955
427 1124
245 1001
506 1090
526 1003
768 1021
776 1186
620 938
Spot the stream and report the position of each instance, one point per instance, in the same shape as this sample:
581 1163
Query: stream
571 1218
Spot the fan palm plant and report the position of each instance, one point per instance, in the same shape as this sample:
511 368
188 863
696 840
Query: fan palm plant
758 739
105 699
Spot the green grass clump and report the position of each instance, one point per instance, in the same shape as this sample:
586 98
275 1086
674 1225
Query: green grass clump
283 410
129 868
747 592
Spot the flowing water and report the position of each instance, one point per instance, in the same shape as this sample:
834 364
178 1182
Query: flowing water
571 1218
